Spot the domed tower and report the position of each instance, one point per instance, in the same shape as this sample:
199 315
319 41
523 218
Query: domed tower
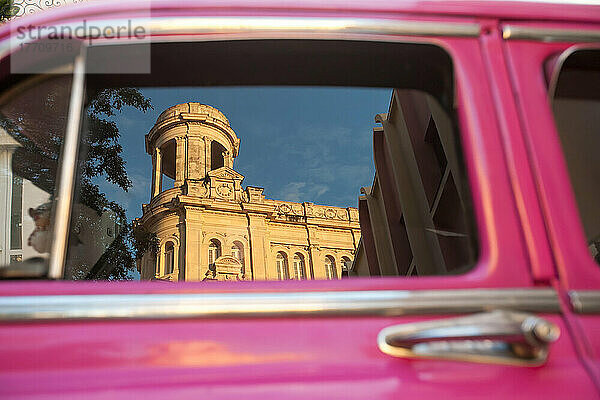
192 147
210 229
187 142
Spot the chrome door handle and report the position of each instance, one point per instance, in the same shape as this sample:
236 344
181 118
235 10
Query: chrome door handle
498 337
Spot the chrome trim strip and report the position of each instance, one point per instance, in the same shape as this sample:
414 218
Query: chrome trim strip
553 84
274 304
585 301
513 32
310 25
66 174
238 28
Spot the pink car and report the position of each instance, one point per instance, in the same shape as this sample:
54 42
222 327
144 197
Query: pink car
466 266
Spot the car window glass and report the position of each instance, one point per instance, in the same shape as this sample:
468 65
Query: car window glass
33 116
576 107
273 160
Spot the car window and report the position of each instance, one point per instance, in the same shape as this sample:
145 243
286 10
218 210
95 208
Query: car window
271 160
576 107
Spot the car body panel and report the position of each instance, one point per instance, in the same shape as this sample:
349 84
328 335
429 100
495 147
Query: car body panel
321 357
576 269
257 358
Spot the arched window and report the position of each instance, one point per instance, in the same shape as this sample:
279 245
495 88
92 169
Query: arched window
169 258
216 155
299 269
346 263
330 267
237 251
282 266
214 251
167 166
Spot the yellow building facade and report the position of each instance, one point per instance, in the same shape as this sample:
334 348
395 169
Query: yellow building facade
210 227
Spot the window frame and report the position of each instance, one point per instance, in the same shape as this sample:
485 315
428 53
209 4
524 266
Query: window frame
169 255
299 266
214 251
283 269
330 267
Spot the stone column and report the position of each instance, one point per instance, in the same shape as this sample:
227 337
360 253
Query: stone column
157 172
186 171
176 260
192 256
316 262
227 159
195 158
207 150
180 160
153 183
159 263
259 246
181 247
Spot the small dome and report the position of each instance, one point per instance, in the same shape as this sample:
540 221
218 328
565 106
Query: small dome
193 108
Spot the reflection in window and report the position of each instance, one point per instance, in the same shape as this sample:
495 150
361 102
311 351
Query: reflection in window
282 266
421 223
32 125
330 267
299 269
214 251
280 189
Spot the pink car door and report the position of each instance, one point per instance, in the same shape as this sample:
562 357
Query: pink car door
412 321
554 82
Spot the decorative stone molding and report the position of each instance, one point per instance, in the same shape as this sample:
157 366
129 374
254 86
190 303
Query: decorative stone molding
255 194
315 211
195 188
226 268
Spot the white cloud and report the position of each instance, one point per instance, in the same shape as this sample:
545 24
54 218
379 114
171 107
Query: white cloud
131 200
302 191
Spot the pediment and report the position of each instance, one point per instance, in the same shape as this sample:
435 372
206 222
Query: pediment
228 265
225 173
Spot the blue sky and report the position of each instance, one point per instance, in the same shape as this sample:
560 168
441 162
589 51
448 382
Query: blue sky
300 144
